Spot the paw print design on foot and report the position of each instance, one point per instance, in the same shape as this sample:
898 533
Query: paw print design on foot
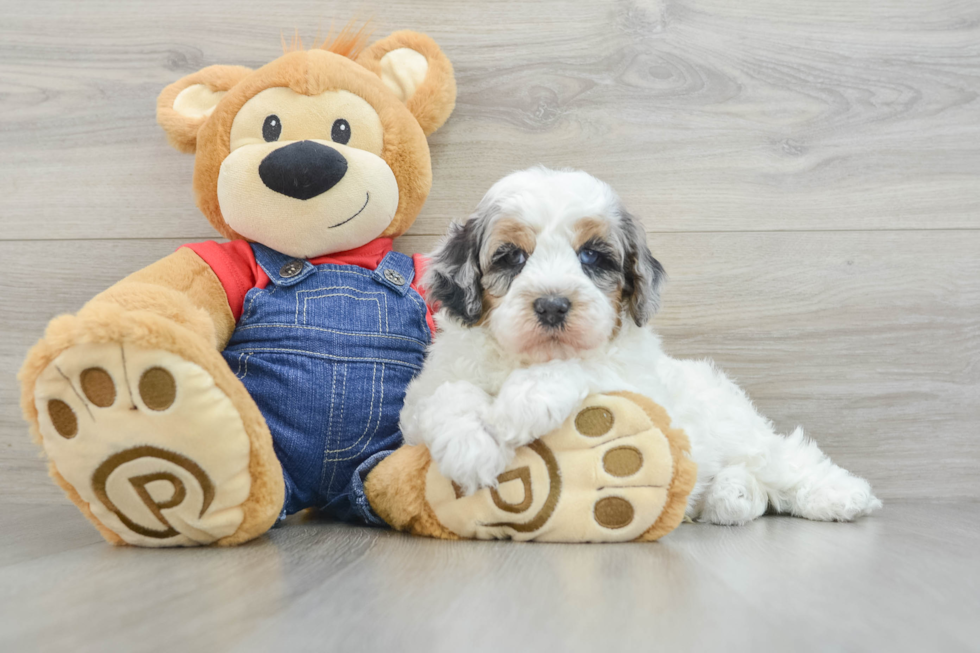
614 472
156 450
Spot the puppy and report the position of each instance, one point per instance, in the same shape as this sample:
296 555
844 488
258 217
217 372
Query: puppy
545 294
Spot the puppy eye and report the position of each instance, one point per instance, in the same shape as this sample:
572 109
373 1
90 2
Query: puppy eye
516 257
271 128
510 256
340 133
588 256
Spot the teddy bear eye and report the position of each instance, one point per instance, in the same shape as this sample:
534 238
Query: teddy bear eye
340 133
271 128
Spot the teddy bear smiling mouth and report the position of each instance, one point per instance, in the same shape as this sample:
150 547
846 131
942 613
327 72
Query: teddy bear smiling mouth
367 198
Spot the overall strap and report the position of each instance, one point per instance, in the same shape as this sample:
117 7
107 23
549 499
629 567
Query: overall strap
396 271
282 270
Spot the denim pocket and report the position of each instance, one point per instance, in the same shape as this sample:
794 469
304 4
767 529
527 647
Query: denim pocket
345 308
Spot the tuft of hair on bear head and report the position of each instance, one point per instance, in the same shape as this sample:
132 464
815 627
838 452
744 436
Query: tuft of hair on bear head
349 42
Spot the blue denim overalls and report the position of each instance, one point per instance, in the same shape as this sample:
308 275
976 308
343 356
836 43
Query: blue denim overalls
326 351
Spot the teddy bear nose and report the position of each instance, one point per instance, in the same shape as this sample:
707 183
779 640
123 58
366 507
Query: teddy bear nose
303 169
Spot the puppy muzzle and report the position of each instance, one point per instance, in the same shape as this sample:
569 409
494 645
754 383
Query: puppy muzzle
552 310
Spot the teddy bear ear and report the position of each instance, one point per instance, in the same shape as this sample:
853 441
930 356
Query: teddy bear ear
186 104
417 71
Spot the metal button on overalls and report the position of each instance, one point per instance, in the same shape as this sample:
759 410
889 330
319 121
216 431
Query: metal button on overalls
291 269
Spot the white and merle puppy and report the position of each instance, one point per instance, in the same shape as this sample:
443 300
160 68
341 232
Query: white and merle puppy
545 295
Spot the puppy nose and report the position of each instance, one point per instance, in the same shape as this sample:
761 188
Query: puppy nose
551 309
303 169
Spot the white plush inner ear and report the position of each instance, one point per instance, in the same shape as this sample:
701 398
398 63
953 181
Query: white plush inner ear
197 101
402 71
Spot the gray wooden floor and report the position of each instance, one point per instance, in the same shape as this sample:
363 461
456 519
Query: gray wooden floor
905 579
809 174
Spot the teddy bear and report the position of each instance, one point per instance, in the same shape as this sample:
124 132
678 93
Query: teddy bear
209 395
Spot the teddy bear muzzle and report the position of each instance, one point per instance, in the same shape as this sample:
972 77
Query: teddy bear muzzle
303 170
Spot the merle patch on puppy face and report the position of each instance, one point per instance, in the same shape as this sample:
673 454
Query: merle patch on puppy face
541 234
643 275
454 277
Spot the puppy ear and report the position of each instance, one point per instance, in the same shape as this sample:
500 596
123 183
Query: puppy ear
184 106
416 70
453 277
643 274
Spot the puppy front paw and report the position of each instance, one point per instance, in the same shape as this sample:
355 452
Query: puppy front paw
472 459
534 402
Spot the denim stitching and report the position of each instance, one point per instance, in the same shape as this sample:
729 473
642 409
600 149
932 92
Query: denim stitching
320 354
358 290
360 272
333 402
421 305
248 311
377 425
326 451
337 331
247 355
340 294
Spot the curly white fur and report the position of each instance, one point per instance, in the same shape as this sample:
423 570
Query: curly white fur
494 384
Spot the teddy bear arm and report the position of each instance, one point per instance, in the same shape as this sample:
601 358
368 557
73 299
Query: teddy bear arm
180 287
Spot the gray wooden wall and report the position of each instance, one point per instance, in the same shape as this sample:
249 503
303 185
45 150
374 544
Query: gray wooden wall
806 171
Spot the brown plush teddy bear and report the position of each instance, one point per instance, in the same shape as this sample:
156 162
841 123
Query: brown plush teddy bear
229 384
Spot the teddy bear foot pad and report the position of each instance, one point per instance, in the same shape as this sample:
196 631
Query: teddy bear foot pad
156 450
614 472
603 477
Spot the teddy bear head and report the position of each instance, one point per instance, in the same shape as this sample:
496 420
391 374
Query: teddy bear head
320 151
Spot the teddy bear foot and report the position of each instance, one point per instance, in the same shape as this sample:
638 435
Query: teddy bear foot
146 444
614 472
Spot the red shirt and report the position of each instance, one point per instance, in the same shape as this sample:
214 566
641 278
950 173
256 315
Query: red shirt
235 266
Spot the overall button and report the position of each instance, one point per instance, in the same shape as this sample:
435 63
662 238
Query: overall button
394 277
291 269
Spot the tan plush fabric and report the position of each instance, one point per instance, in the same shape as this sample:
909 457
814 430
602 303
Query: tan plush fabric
614 472
368 189
432 99
182 129
311 73
161 308
182 288
166 462
685 472
396 490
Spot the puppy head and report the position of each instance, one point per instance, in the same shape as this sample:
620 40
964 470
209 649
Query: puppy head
550 263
